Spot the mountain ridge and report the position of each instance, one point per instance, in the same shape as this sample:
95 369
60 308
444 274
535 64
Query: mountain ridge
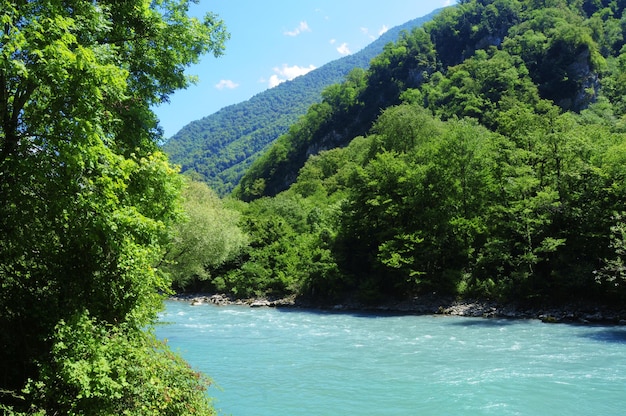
218 148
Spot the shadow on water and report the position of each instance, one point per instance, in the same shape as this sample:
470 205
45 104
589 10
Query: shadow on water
612 335
382 313
374 313
485 322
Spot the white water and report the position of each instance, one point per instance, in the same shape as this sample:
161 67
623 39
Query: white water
290 362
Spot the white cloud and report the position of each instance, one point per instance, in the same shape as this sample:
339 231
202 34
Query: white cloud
293 71
226 83
367 33
333 41
343 49
274 81
302 27
286 73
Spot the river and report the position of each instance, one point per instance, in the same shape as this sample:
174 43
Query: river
289 362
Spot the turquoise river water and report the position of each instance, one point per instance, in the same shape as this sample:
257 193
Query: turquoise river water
284 362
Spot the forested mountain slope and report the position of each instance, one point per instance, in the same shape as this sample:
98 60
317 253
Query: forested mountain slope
218 148
562 49
481 155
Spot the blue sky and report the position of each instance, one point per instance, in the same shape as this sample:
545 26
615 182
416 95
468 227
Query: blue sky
272 41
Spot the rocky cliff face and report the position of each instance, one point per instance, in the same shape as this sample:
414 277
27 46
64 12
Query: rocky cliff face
586 83
566 76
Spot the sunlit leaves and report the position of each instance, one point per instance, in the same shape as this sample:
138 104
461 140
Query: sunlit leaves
208 236
105 370
613 273
87 197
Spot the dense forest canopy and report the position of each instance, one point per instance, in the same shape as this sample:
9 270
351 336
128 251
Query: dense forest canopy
562 47
481 155
87 200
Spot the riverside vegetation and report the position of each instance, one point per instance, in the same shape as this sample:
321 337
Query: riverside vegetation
86 202
480 156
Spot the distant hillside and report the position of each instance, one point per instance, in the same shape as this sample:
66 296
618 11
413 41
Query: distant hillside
219 148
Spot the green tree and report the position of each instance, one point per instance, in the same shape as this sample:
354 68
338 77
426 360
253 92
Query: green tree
86 197
208 236
415 213
344 96
481 87
613 273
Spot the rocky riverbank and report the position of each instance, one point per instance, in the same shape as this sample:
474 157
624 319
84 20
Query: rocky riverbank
225 300
585 313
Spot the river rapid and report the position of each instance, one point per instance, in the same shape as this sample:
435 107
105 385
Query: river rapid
290 362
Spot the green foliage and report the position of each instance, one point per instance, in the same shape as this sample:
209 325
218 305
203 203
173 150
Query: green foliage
561 55
613 273
473 25
265 176
481 87
115 370
405 64
86 196
613 85
476 60
480 156
419 206
208 236
281 252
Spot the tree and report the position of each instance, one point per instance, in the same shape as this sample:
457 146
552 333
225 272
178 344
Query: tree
481 87
86 197
613 272
207 238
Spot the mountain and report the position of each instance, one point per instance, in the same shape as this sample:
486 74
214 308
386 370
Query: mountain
564 64
481 156
219 148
